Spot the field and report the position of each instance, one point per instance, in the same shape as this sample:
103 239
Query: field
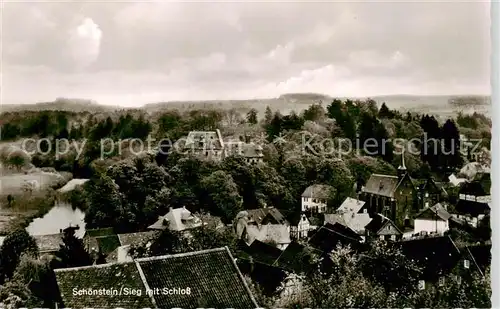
12 184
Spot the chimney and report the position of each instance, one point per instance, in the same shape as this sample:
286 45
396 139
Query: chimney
170 209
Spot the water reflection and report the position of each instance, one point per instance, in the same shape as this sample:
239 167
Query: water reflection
59 217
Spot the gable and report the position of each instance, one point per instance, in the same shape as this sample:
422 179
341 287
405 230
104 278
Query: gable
389 229
428 214
405 184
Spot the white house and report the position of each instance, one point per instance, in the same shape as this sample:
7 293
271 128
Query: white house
433 219
315 198
299 226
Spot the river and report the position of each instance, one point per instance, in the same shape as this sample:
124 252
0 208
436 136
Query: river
59 217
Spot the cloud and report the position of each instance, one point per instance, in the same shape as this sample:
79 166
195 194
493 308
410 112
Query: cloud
171 50
84 43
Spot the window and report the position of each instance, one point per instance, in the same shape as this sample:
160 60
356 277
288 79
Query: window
421 284
426 194
441 281
382 237
393 237
426 204
365 211
466 264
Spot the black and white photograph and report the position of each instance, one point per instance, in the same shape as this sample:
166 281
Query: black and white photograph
246 154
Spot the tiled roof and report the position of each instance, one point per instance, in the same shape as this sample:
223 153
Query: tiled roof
106 276
350 206
177 219
208 139
329 236
251 150
211 275
296 257
317 191
359 222
384 185
437 255
437 210
107 244
259 215
472 208
378 222
355 222
49 243
335 218
263 252
135 238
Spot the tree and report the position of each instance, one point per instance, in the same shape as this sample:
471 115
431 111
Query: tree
385 112
451 151
222 193
104 203
315 112
72 252
275 127
386 265
268 116
15 244
252 116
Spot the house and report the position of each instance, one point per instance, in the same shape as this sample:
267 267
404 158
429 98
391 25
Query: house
125 241
472 169
177 219
263 224
456 181
437 255
429 192
329 236
49 244
383 228
297 258
432 219
205 145
352 213
252 153
473 200
91 242
315 198
392 196
299 225
200 279
256 262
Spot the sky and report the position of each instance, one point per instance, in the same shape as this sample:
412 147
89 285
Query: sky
132 53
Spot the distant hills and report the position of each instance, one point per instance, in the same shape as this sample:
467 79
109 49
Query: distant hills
284 103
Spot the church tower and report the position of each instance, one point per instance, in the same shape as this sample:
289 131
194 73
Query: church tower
402 168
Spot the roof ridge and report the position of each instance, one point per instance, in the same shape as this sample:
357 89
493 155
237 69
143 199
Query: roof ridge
392 176
145 282
247 288
167 256
92 266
